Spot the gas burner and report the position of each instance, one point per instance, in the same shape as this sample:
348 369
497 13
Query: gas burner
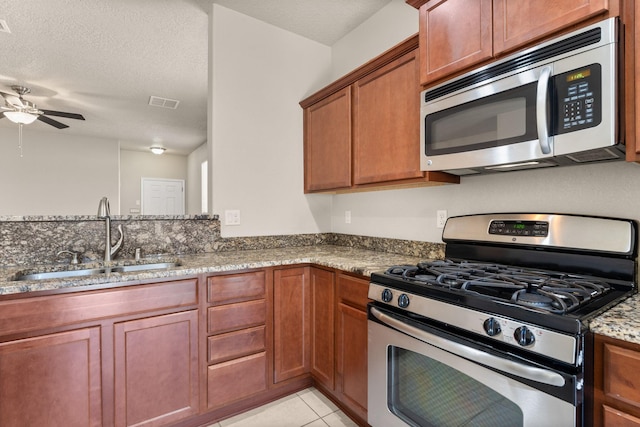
538 289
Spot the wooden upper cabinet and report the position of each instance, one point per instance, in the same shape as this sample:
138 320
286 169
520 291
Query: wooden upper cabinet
517 23
327 139
387 123
454 35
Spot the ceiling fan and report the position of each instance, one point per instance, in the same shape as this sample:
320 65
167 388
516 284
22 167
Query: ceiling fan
21 111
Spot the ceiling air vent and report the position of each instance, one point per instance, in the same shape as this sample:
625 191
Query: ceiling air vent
4 28
157 101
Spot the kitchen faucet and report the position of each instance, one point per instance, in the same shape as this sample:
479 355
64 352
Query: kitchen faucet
104 212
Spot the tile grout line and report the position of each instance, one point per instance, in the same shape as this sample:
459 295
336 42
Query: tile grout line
320 417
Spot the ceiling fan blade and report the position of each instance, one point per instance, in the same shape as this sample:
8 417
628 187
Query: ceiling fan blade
52 122
63 114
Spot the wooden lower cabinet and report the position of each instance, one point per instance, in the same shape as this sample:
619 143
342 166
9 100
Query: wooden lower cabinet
236 332
320 314
156 369
322 319
291 323
51 380
351 343
236 379
152 354
616 385
112 357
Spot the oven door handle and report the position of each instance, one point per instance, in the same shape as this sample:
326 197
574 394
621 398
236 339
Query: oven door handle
528 372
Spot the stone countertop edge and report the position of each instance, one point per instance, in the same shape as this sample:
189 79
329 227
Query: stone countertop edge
354 260
621 321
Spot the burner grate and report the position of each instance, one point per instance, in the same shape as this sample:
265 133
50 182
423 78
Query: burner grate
553 292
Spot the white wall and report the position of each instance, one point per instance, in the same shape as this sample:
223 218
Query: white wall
194 179
135 165
259 73
395 22
611 189
59 174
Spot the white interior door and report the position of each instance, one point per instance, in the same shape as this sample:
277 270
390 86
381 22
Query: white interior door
162 196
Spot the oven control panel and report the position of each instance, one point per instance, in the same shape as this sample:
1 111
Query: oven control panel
519 228
509 331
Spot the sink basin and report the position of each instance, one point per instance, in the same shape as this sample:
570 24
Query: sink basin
60 274
144 267
65 274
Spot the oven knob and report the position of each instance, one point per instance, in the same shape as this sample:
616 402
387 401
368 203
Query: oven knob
387 295
524 336
492 327
403 301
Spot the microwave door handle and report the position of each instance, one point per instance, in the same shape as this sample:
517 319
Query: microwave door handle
529 372
541 110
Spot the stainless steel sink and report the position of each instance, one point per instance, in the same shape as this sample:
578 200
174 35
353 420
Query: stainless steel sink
65 274
144 267
48 275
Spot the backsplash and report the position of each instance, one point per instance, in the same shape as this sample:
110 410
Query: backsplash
37 240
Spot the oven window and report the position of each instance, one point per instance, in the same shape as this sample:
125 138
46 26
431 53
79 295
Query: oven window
424 392
504 118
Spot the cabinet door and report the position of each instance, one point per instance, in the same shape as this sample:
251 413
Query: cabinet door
51 380
322 317
327 143
352 357
351 343
386 142
156 369
454 35
292 323
517 23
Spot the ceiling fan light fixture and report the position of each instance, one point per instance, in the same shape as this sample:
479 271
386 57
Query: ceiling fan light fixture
20 117
157 150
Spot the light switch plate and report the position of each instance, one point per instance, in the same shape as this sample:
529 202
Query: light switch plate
232 217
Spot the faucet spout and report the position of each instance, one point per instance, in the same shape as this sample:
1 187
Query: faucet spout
104 212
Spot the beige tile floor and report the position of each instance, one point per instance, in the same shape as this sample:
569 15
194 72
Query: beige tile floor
308 408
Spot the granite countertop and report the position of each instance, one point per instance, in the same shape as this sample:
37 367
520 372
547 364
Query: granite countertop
354 260
621 322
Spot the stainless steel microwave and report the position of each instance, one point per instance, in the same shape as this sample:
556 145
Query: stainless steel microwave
552 105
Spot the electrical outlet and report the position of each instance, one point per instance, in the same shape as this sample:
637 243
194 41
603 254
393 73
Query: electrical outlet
347 217
441 218
232 217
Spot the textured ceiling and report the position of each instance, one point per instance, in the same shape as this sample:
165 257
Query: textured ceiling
105 58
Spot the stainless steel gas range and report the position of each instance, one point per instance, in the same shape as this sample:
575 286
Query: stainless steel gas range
496 333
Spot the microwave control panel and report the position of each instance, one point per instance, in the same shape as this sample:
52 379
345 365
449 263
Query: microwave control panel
578 99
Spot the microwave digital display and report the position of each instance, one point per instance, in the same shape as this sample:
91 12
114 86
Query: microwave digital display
579 75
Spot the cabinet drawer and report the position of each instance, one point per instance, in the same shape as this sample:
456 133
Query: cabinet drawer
236 287
616 418
353 290
236 344
230 317
236 379
618 363
21 315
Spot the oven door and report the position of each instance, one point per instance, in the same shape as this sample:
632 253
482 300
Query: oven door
422 376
